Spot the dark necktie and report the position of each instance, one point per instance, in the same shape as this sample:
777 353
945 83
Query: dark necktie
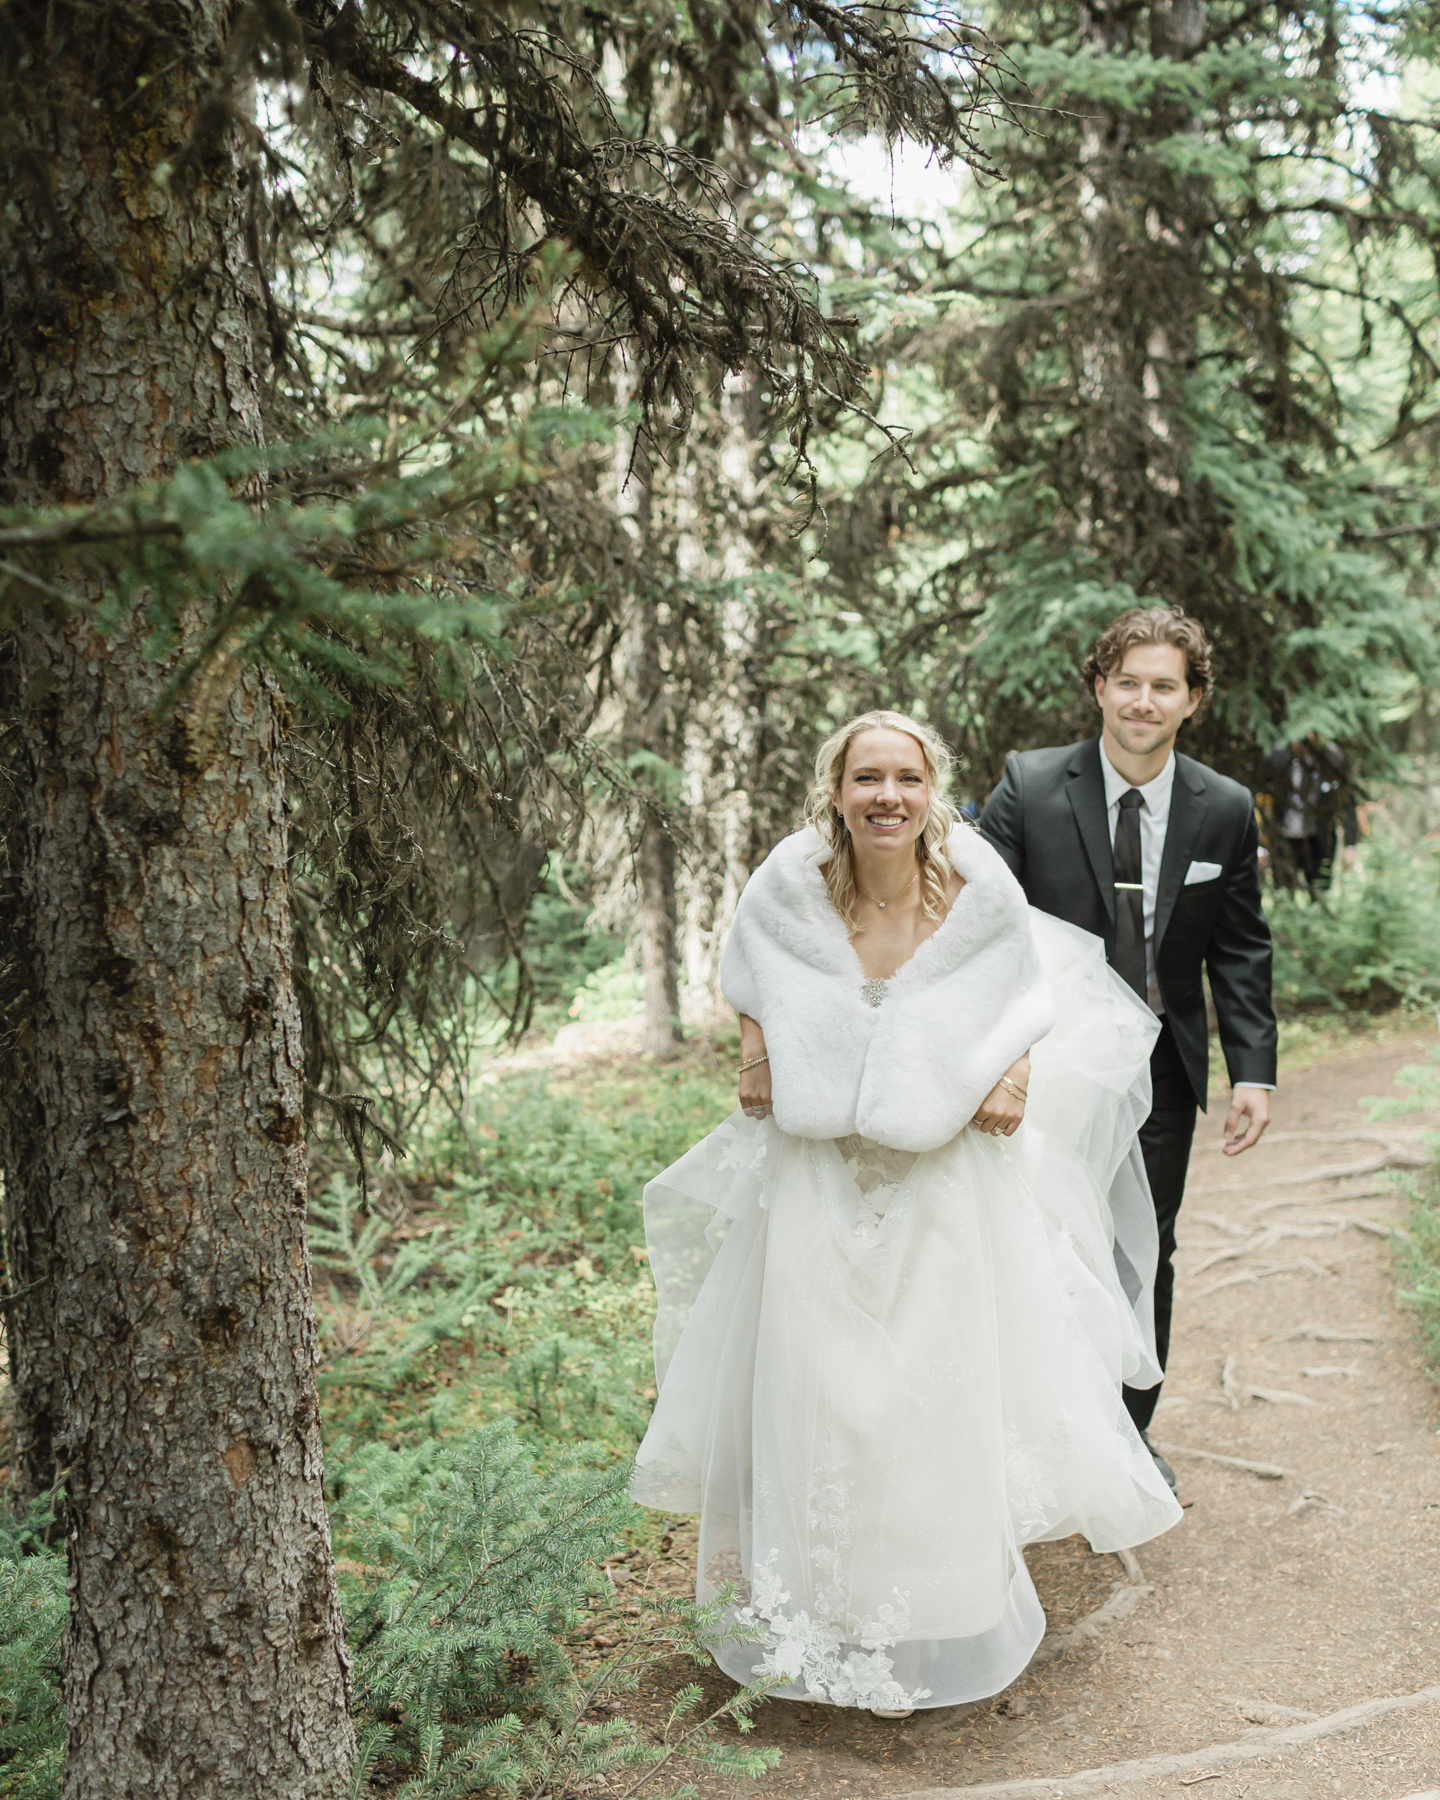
1129 958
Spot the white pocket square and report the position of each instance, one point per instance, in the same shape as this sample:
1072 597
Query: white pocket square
1199 871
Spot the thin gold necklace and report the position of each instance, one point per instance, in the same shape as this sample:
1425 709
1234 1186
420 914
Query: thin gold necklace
882 904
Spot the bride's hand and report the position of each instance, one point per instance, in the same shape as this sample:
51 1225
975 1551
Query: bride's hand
1003 1109
754 1082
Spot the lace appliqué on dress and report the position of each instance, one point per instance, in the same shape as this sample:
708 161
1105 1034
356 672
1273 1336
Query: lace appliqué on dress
877 1172
745 1152
1029 1485
834 1656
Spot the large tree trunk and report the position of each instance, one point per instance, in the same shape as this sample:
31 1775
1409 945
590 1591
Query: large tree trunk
1140 263
647 708
659 947
646 734
206 1653
722 722
1111 436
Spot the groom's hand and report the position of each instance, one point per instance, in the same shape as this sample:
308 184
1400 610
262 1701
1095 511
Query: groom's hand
1248 1116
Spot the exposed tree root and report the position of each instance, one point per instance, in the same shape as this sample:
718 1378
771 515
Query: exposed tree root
1261 1274
1393 1156
1328 1334
1266 1471
1122 1602
1387 1137
1130 1562
1255 1748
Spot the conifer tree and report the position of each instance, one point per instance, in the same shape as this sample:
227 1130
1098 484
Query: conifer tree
1186 354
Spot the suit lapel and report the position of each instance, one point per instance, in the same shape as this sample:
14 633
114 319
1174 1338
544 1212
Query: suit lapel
1188 803
1085 790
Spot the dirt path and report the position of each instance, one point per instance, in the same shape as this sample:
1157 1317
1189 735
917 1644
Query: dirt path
1245 1654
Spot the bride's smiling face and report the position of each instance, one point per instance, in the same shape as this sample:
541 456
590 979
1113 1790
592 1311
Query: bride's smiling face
884 793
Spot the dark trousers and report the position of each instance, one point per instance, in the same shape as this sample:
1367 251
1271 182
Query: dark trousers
1165 1140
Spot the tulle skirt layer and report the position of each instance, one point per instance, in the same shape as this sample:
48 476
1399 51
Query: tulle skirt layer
882 1374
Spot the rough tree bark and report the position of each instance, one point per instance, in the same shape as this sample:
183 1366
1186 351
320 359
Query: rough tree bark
29 1298
206 1653
27 1303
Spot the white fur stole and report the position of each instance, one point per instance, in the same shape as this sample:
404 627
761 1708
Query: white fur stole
911 1072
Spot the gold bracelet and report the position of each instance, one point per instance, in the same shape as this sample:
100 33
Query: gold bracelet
754 1063
1020 1093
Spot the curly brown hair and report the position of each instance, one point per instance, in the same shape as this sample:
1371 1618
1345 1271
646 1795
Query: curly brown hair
1152 625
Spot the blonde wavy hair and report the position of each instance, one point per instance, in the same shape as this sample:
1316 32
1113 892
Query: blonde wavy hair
822 812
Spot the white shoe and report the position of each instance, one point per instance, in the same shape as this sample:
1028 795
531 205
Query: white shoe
885 1712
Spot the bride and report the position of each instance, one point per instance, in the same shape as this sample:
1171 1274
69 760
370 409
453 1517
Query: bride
900 1288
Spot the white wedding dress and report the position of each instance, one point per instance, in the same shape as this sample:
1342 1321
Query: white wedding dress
882 1373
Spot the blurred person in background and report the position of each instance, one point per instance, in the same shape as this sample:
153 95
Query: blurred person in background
1313 801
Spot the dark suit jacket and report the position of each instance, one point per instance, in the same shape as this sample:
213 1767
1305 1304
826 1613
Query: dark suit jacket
1047 819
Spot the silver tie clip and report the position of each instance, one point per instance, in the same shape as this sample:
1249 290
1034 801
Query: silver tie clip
1137 887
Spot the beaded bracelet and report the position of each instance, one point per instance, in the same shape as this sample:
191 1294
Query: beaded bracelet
1019 1092
754 1063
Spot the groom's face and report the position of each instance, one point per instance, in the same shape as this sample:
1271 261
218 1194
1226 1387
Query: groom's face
1146 700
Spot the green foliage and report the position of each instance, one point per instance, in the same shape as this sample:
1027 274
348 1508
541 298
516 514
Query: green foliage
362 543
1179 356
473 1570
614 992
1420 1252
468 1576
521 1288
1421 1256
32 1628
563 953
1373 940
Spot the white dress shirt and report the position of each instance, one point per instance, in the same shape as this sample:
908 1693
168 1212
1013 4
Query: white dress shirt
1154 819
1154 822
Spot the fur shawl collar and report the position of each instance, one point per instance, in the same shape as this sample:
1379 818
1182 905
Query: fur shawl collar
908 1073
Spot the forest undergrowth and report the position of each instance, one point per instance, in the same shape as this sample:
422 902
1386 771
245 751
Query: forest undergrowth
485 1313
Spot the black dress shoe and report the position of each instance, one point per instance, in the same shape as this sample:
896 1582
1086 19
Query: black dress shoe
1160 1462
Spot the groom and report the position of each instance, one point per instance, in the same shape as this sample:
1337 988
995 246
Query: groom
1155 854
